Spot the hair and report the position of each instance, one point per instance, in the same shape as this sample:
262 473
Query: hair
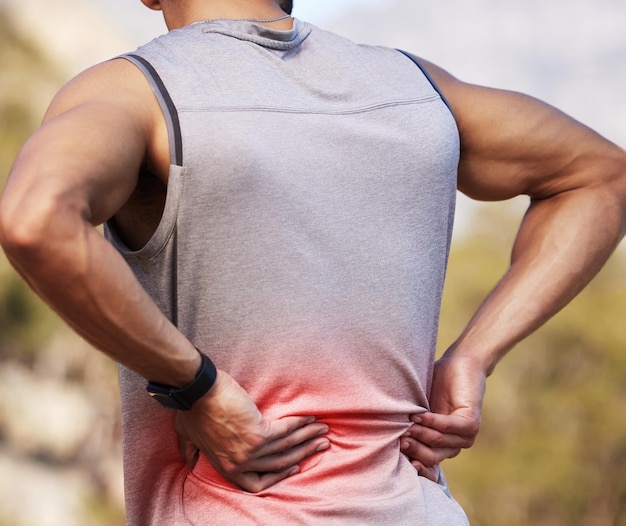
286 5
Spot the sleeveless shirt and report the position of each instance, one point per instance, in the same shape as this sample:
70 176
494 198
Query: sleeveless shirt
303 248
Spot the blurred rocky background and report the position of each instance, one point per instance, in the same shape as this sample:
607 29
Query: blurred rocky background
552 451
60 453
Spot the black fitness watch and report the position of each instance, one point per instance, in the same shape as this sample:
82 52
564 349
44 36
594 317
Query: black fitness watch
183 399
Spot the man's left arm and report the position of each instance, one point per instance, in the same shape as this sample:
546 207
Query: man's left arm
511 145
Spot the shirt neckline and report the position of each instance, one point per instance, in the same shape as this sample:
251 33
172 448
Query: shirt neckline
245 30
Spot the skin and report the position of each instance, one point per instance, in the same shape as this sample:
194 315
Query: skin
103 152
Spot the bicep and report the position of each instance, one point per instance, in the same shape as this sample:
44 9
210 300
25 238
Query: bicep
87 154
88 157
513 144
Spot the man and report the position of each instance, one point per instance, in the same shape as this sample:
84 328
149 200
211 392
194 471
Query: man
281 199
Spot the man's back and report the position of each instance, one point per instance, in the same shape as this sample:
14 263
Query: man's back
305 263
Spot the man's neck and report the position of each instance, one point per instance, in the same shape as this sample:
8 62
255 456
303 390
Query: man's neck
180 14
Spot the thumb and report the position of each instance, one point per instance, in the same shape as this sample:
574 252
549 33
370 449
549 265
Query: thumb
187 448
432 473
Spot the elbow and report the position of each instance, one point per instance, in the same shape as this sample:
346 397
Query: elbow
621 184
22 228
28 227
617 186
606 182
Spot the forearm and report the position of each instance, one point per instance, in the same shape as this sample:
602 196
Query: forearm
562 243
79 274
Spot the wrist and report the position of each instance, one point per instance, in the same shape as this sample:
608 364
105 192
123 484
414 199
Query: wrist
183 398
479 359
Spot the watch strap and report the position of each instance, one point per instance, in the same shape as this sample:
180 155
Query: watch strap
184 398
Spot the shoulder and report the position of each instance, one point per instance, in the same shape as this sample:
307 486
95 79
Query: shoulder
513 143
117 94
115 84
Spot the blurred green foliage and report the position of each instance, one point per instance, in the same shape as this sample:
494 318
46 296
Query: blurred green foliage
24 321
26 324
24 71
552 448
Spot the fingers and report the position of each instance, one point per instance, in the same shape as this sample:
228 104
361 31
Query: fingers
438 439
463 423
424 455
260 473
284 427
434 438
289 458
253 482
268 469
431 473
279 440
280 457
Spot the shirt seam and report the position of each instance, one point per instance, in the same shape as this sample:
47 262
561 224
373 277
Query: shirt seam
278 109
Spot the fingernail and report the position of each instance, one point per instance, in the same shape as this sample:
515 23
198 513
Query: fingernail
416 419
294 471
323 446
323 431
404 445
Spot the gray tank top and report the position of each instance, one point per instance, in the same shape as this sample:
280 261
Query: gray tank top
303 247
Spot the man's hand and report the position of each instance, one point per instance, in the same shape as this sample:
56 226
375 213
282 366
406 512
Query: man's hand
243 446
456 403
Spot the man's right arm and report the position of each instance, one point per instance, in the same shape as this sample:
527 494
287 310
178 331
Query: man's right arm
76 172
513 144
